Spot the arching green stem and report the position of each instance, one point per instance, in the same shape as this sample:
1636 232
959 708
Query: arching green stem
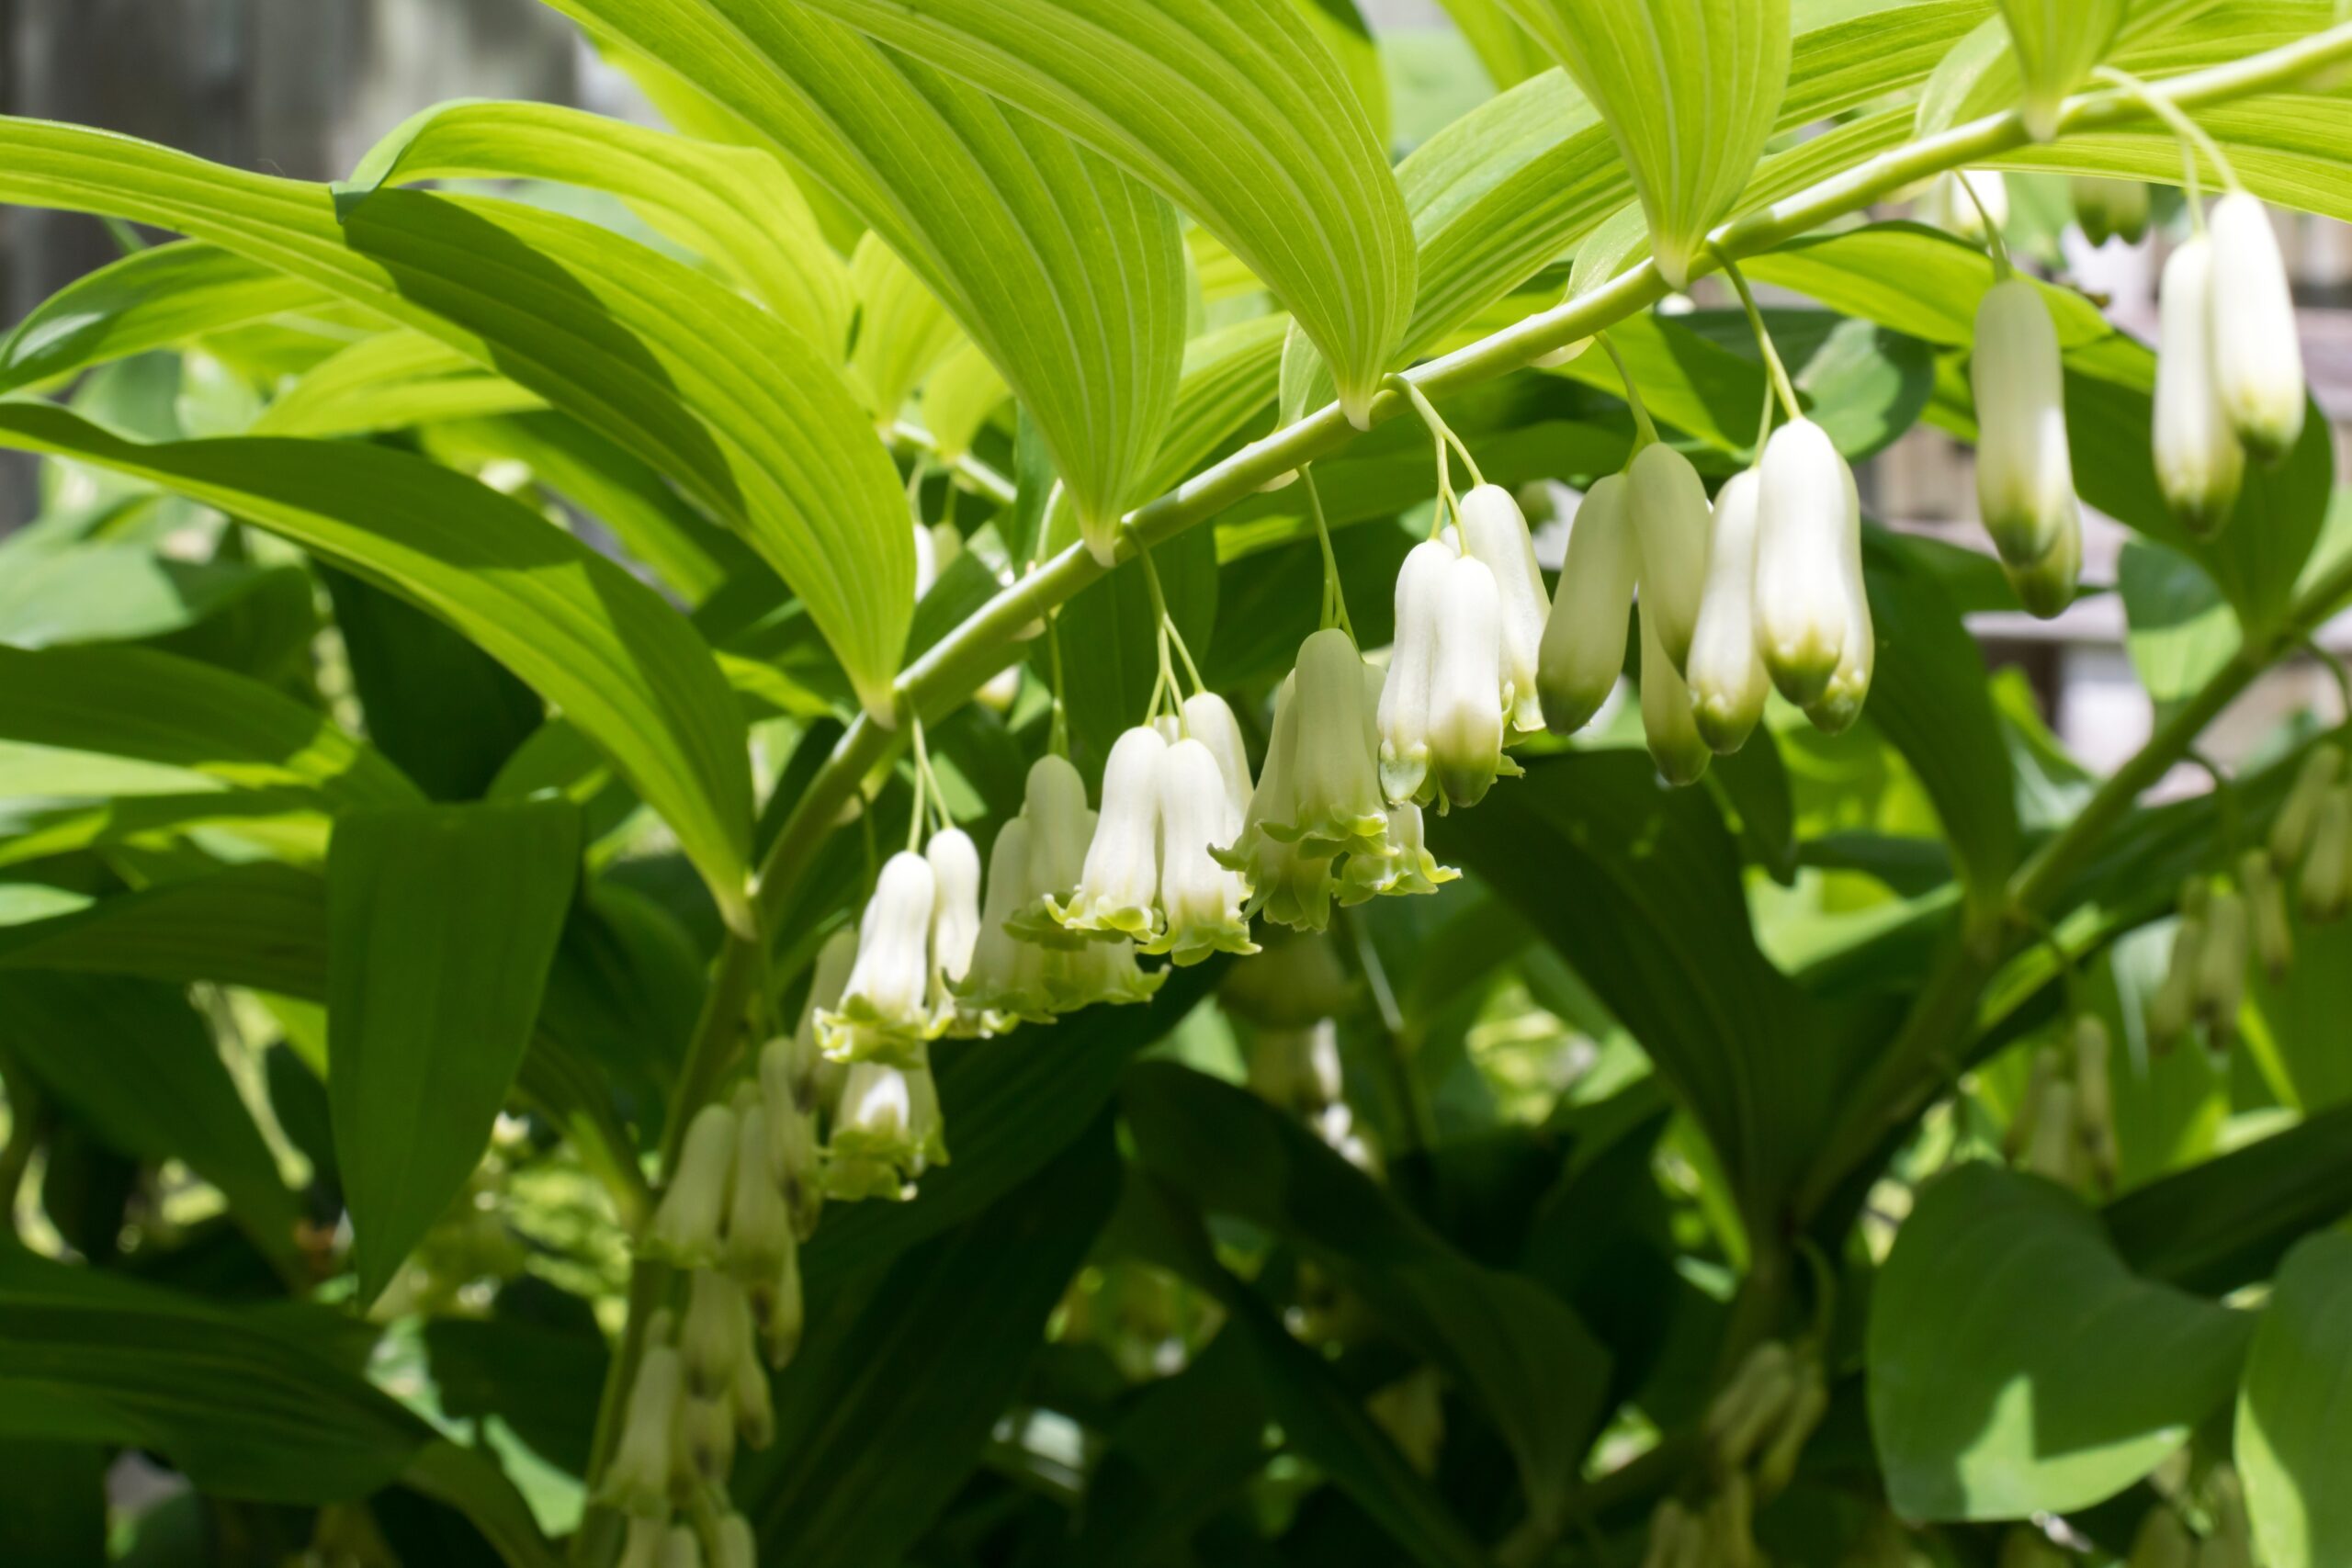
1335 595
1775 370
2191 135
1645 432
1995 243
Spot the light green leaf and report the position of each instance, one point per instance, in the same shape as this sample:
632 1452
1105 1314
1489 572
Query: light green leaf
389 381
442 922
1503 46
600 645
1066 272
2016 1366
2181 628
669 362
903 329
158 297
961 395
1340 27
1232 109
137 1063
1981 75
736 207
1688 88
226 612
2294 1424
201 723
1918 280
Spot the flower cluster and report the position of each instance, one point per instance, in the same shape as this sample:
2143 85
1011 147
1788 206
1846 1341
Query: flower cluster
2064 1127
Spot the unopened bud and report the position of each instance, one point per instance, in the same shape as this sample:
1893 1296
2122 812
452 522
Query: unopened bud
886 1009
2050 1154
2028 1116
758 1226
2173 1006
1730 1526
1118 892
2290 830
1750 1405
1208 718
1668 723
1495 530
2266 904
2110 210
636 1482
1403 714
1583 651
754 1404
1667 503
2327 861
707 1433
716 1332
2025 476
1729 684
954 863
693 1211
2200 463
2221 964
1805 512
791 1142
1201 899
680 1547
2256 353
1465 685
2095 1095
1676 1538
1334 763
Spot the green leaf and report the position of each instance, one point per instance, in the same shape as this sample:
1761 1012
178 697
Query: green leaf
1066 272
53 1504
208 727
736 207
2181 630
159 298
227 613
1537 1370
1503 47
2016 1366
389 381
136 1062
898 1383
2222 1225
442 922
903 329
1918 280
1688 88
1341 27
1235 111
663 359
600 645
2294 1425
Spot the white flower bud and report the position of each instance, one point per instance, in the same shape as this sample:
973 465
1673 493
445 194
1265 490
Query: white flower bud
1667 503
1465 730
1334 759
2291 830
2047 586
1287 886
956 909
758 1226
1948 206
783 1313
1061 831
716 1332
2257 358
2200 463
1209 721
1849 688
1202 900
791 1140
1675 744
636 1482
1118 892
753 1401
680 1549
829 979
1403 714
693 1212
707 1435
876 1115
885 1009
1805 512
1495 530
1729 684
2025 475
2327 858
1583 651
1006 980
737 1546
2221 964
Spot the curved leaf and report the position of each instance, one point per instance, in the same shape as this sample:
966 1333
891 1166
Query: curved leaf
2294 1422
1233 109
600 645
1068 273
669 362
903 331
736 207
388 383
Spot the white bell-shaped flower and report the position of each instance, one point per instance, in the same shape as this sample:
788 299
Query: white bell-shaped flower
636 1482
2047 586
1335 771
2024 474
1061 831
885 1009
1118 891
874 1141
715 1334
1667 503
1287 886
1405 868
1583 651
1403 713
1676 747
1804 514
1948 206
2200 463
2258 358
1202 900
1495 530
1726 676
955 905
1208 718
1006 979
1466 726
1848 687
795 1073
688 1221
759 1224
1102 973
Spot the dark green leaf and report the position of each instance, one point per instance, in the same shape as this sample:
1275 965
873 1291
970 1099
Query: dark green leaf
2223 1224
2294 1426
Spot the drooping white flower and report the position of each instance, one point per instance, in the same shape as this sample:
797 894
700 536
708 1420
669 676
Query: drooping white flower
1465 725
1848 686
715 1334
2257 358
874 1142
1006 980
1403 712
1804 513
1667 503
1061 831
2047 586
2025 473
1948 206
1494 530
1403 868
885 1011
2200 463
797 1073
1335 773
1584 640
1103 973
1675 744
636 1482
1118 891
1202 900
1729 684
688 1221
955 908
759 1224
1208 719
1287 886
